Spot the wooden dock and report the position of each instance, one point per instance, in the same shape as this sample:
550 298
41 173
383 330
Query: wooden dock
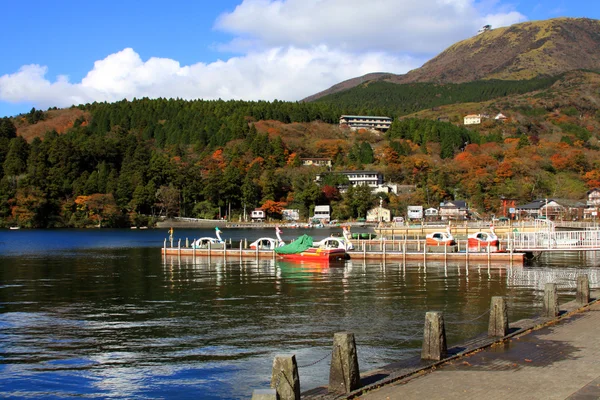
427 253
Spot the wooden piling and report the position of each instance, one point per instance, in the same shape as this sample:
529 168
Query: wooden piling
550 300
179 248
284 377
344 375
434 337
498 324
583 290
264 394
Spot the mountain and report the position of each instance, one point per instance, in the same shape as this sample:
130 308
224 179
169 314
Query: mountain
518 52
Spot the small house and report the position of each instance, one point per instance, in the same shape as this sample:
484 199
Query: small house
257 215
379 214
322 213
472 119
455 209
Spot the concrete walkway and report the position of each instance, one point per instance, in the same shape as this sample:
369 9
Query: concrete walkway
559 361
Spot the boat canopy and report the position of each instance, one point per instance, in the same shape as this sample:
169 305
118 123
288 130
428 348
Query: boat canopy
297 246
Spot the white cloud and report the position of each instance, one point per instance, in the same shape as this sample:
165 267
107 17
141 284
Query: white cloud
424 27
283 73
290 49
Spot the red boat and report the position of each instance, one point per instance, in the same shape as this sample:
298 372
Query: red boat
302 249
316 254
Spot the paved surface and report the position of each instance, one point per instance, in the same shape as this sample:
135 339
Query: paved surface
561 361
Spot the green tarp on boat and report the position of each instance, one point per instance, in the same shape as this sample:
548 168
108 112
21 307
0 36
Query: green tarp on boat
297 246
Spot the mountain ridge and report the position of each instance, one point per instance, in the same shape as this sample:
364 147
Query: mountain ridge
518 52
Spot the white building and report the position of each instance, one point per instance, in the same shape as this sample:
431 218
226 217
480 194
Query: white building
257 215
379 214
290 214
365 121
414 212
316 162
472 119
322 213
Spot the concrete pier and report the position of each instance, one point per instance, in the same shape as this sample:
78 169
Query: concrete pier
498 325
284 378
434 337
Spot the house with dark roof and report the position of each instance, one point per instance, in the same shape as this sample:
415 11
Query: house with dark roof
455 209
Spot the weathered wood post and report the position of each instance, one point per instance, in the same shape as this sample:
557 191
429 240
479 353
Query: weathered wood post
434 337
284 377
583 290
344 375
550 300
498 325
265 394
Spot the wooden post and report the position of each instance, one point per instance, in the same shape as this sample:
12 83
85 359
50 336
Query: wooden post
550 300
187 243
498 324
240 251
165 247
284 377
344 375
245 243
209 251
194 252
179 248
424 252
445 254
434 337
404 252
225 251
264 394
583 290
384 252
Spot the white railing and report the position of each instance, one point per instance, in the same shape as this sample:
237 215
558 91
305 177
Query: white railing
568 240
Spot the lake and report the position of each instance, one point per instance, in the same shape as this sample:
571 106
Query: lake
100 314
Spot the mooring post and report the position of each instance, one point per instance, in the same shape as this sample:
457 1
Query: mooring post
225 251
194 251
265 394
209 252
550 300
187 243
165 247
179 248
240 251
284 377
245 243
344 375
583 290
498 325
434 337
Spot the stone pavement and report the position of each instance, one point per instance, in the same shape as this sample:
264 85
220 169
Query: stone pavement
540 358
558 361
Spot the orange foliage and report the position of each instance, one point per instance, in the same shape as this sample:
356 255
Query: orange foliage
273 207
592 178
504 170
559 161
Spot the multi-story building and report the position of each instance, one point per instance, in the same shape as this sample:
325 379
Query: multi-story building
365 121
472 119
372 179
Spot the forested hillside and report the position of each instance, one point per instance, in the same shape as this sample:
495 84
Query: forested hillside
125 163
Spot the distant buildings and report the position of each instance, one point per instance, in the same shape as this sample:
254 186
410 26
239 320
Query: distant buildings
472 119
373 179
316 162
365 121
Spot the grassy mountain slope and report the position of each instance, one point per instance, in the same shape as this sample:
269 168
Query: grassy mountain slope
519 52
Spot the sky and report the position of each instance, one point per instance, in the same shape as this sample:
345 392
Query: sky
67 52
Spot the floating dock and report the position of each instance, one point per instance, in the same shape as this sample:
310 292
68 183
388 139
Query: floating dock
428 253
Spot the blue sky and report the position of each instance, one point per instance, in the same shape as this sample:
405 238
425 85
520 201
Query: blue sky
75 52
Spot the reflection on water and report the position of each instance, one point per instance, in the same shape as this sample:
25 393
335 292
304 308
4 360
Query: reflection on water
120 322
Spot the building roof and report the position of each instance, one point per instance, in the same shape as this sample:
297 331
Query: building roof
534 205
364 116
473 116
455 203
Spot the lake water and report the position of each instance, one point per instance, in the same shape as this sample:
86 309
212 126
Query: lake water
100 314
